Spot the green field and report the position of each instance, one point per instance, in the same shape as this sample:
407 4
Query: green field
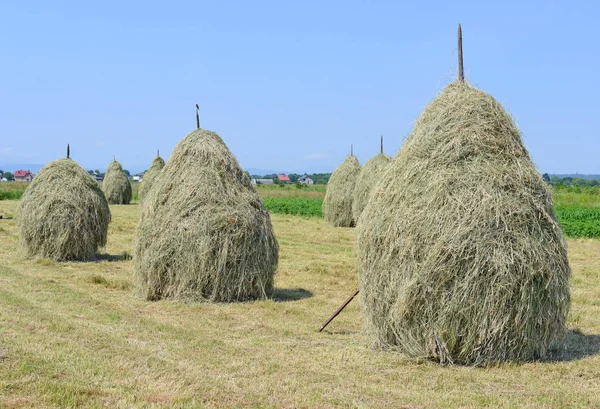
577 208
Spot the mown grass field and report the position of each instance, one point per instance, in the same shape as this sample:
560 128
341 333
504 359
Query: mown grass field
73 335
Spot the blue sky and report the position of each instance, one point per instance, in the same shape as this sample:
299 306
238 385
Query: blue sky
288 85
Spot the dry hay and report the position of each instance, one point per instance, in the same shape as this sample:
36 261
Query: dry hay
337 205
63 214
204 233
461 258
157 164
116 185
368 177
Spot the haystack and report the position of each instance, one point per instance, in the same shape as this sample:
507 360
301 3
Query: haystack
337 205
116 184
461 258
63 214
204 233
157 164
368 177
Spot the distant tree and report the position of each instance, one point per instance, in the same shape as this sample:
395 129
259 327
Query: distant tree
9 176
546 177
125 171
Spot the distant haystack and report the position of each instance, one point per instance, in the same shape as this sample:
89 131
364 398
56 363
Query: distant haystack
337 205
157 164
369 175
63 214
204 233
461 258
116 185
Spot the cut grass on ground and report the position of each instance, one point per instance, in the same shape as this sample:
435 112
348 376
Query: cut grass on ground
73 335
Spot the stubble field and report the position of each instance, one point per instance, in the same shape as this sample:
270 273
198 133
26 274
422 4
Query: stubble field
74 335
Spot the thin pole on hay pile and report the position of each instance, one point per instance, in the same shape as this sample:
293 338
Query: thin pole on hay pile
157 153
461 70
335 314
381 149
197 117
351 150
68 151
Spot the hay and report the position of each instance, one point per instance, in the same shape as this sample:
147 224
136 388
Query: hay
116 185
461 258
204 233
337 205
368 177
63 214
157 164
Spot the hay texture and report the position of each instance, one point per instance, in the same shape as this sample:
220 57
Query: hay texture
461 258
369 175
337 205
63 214
157 164
116 185
204 233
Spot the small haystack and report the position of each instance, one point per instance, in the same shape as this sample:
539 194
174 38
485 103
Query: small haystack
204 233
337 205
63 214
368 177
157 164
116 184
461 258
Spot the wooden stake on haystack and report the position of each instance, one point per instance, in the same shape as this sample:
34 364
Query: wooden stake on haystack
157 153
351 150
461 70
381 148
68 151
197 116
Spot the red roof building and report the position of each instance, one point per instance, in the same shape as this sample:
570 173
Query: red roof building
23 176
283 178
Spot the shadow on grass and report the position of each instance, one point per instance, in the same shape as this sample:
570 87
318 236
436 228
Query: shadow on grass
124 256
290 294
577 346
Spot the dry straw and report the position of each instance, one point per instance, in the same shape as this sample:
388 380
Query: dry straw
204 233
368 177
157 164
116 185
63 214
461 258
337 205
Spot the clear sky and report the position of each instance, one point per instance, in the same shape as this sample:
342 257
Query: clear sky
288 85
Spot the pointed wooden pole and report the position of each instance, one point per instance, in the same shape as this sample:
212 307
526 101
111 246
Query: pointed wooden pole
461 70
351 150
197 116
157 153
68 151
381 148
335 314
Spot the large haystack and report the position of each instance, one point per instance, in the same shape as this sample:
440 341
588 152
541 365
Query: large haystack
157 164
63 214
368 177
337 205
204 233
461 258
116 184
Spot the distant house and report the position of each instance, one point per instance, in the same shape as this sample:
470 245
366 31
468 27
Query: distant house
96 176
283 178
138 177
305 180
264 181
23 176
